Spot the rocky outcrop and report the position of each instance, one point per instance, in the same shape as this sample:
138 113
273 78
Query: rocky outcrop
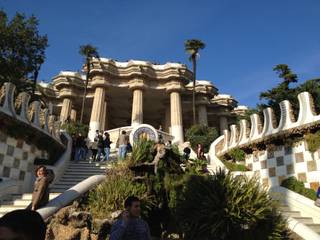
74 223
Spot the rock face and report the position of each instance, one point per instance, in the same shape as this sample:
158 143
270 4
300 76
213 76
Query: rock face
70 223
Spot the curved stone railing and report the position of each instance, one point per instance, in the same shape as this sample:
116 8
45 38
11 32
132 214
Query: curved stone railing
243 134
70 195
18 106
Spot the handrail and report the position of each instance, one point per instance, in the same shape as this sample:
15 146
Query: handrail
70 195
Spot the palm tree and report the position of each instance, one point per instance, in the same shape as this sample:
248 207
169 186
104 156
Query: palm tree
88 51
192 47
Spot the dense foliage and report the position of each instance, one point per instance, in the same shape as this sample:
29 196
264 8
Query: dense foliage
224 207
201 134
234 166
22 50
73 128
237 154
313 141
111 194
186 201
297 186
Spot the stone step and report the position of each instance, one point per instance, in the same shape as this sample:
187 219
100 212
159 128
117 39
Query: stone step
18 202
315 227
28 196
292 214
304 220
9 208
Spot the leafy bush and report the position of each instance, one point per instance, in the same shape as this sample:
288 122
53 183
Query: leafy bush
313 141
201 134
110 195
142 151
297 186
224 207
237 155
234 166
74 128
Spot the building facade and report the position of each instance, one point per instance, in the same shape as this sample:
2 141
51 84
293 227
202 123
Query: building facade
130 93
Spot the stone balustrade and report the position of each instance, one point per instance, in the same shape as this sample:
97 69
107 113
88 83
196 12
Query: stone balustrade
241 135
18 106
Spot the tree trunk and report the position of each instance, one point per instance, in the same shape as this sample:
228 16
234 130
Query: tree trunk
194 66
85 91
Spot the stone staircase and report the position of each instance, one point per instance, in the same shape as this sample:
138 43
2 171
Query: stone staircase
74 174
287 212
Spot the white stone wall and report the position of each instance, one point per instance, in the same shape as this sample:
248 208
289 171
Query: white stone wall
17 160
274 165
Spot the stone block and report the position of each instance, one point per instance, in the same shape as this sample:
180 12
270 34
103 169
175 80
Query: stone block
22 174
263 164
6 172
280 161
10 150
302 177
249 166
3 137
272 172
299 157
290 169
312 166
1 158
25 156
287 150
16 163
270 154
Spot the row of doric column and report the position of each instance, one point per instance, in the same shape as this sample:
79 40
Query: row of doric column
173 114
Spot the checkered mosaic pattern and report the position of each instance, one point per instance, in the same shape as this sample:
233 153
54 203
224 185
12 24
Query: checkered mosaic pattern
273 166
17 158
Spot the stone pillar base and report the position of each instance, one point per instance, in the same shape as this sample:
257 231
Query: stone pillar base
177 132
93 127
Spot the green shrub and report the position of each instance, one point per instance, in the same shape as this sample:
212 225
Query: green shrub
234 166
142 151
297 186
201 134
237 155
110 195
74 128
224 207
313 141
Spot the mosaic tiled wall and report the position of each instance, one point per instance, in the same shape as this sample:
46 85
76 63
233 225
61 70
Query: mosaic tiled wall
16 160
285 161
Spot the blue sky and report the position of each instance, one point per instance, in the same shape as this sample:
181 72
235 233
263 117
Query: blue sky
244 39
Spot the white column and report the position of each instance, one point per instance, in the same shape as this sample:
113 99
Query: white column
97 112
66 109
176 117
202 115
73 115
137 107
223 124
104 117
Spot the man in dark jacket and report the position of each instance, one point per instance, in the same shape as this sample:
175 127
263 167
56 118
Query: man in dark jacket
100 146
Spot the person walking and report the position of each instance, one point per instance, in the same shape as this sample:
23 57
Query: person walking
122 142
40 195
317 202
107 147
130 226
94 149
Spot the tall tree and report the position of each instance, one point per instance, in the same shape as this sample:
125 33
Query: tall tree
192 47
22 50
282 91
88 52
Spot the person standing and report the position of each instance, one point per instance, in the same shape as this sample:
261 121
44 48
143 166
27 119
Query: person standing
130 226
100 145
107 147
40 195
200 152
317 202
123 141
